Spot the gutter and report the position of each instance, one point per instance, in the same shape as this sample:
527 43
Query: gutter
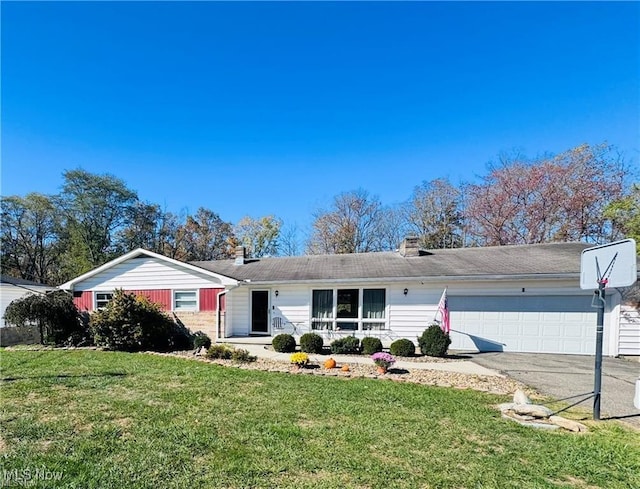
436 279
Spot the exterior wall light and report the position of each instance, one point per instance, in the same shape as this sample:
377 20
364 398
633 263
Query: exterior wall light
406 291
277 293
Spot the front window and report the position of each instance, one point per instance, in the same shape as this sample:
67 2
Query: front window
102 299
373 308
185 300
322 309
348 309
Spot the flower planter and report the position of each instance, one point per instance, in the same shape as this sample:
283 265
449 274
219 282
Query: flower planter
381 370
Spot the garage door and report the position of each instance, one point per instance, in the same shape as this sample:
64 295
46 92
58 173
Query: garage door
523 324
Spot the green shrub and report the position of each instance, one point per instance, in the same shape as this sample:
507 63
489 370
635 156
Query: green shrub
222 352
200 339
346 345
134 323
402 348
434 342
311 343
243 356
371 345
55 315
284 343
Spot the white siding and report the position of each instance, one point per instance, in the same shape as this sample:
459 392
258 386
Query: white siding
146 273
555 317
409 315
237 314
292 304
629 335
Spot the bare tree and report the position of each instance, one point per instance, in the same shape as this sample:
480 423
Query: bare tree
350 225
290 241
392 228
434 214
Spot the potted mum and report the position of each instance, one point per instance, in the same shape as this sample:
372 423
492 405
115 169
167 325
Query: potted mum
299 359
383 361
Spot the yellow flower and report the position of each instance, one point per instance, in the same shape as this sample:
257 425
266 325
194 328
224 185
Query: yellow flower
300 358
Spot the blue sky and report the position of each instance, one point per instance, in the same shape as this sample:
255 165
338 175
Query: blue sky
274 108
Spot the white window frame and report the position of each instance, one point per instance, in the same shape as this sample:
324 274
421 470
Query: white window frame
185 309
96 300
335 321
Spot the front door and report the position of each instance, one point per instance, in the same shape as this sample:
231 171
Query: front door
259 311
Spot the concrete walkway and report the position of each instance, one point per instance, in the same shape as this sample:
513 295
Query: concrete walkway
457 366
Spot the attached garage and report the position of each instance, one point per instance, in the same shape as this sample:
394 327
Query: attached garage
532 324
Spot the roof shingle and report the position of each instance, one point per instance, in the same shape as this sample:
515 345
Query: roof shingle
516 260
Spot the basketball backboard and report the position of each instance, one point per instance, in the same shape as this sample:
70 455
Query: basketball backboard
614 262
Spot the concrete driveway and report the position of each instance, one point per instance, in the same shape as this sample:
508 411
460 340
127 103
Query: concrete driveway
562 376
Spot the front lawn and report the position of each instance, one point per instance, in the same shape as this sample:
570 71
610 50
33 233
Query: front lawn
118 420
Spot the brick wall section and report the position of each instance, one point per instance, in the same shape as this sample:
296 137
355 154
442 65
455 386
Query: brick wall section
199 321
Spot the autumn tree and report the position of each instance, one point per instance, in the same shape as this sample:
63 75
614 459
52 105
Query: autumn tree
30 237
259 236
350 225
434 214
559 198
205 236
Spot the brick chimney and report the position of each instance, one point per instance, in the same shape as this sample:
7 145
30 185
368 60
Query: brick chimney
240 255
409 247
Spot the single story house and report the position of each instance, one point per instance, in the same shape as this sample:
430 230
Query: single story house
12 288
508 298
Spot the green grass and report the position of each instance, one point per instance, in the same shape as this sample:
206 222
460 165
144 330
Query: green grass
121 420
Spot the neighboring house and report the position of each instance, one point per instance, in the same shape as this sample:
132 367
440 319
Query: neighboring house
12 288
512 298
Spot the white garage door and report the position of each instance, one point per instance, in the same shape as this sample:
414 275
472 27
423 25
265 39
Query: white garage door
523 324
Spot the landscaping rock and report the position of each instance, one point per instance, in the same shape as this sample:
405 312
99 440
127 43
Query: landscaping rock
532 410
490 383
507 406
201 352
568 424
545 426
521 398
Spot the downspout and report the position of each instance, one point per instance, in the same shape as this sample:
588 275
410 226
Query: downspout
219 307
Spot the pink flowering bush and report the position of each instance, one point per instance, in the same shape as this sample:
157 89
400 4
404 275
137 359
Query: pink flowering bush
383 359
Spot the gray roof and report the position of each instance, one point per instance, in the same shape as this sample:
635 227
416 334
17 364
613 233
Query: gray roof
6 279
523 260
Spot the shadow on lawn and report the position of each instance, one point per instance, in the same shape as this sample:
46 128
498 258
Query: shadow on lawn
63 376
